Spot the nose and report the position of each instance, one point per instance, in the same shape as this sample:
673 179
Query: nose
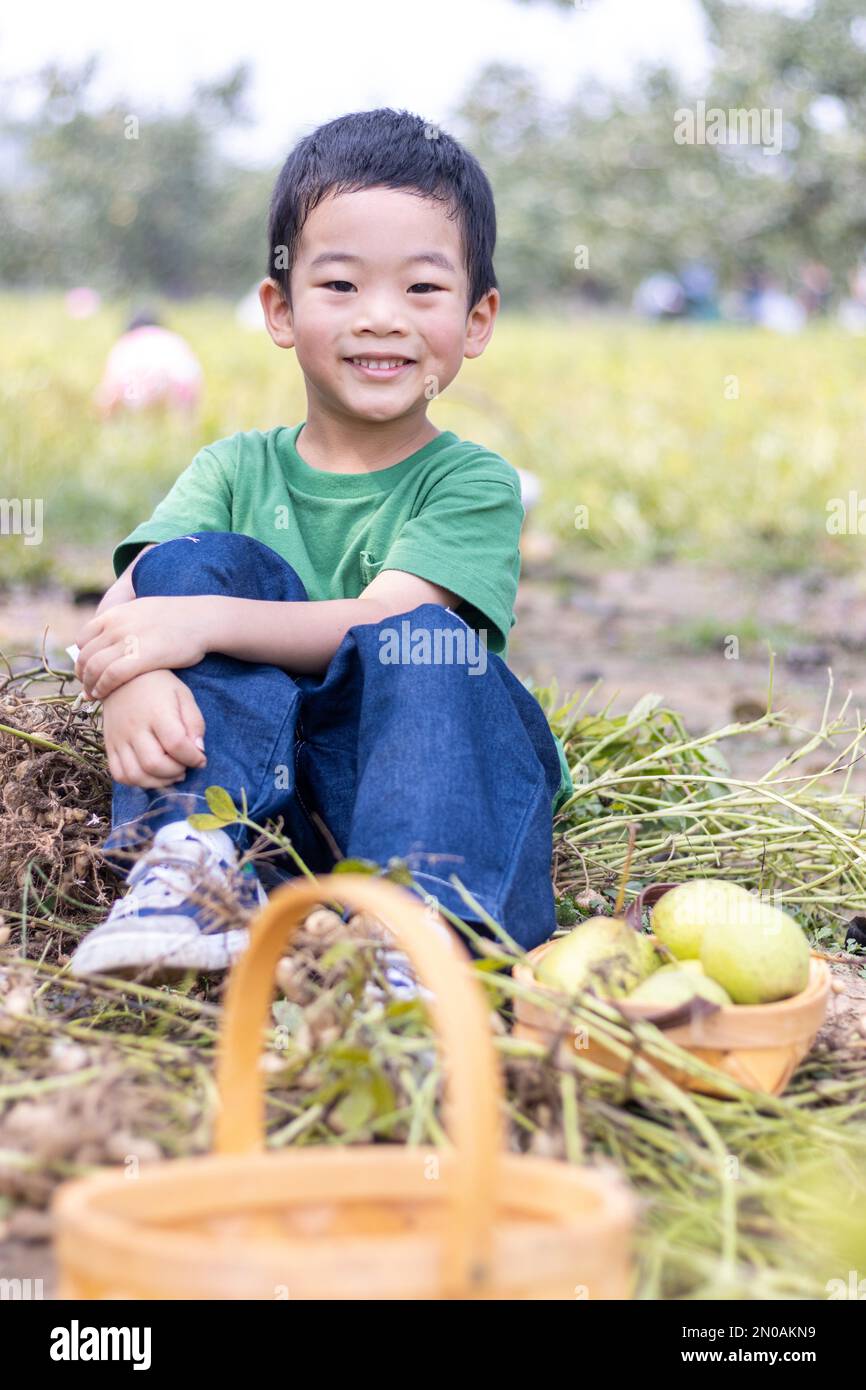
381 312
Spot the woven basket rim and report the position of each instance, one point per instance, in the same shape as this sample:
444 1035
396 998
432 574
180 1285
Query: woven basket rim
76 1204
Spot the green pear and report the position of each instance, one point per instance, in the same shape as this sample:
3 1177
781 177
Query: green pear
604 954
680 917
691 967
675 985
758 955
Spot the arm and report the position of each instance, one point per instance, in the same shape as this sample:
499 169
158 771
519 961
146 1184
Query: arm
152 727
303 637
172 633
121 591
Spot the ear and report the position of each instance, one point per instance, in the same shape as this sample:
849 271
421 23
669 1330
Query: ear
278 314
479 325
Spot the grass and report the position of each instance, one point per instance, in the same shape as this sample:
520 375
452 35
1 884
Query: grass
693 443
685 441
741 1197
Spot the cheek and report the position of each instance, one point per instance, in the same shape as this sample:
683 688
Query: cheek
445 334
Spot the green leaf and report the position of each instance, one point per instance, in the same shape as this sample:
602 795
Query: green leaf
399 1008
398 872
341 950
356 1108
200 820
384 1095
355 866
221 804
491 965
345 1052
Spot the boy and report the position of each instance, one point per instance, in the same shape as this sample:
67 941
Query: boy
300 615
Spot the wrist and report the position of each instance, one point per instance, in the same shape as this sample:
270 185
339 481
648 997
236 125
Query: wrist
212 618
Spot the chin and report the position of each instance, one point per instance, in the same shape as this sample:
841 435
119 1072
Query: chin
381 411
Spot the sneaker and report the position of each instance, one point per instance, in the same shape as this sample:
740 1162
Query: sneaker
183 891
400 974
399 971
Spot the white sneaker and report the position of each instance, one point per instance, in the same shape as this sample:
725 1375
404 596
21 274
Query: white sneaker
402 980
183 891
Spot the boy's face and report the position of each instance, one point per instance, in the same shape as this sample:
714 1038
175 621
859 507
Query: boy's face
362 289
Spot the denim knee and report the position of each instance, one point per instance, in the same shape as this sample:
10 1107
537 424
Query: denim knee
217 562
430 635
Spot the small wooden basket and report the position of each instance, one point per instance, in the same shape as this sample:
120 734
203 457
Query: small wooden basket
380 1221
756 1045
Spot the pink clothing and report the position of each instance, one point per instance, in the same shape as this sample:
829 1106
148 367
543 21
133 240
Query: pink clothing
150 366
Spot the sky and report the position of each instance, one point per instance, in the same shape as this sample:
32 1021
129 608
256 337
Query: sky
326 57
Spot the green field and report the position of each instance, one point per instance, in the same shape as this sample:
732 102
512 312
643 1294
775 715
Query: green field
688 441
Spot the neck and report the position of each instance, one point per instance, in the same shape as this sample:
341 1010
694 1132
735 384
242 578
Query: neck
346 444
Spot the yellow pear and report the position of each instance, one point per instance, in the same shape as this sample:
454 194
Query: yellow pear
758 955
604 954
680 916
674 985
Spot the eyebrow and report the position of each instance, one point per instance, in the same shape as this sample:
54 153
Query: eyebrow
427 257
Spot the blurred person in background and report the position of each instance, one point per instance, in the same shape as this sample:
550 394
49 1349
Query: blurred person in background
149 366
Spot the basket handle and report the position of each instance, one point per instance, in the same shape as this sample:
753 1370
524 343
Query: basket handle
460 1015
647 897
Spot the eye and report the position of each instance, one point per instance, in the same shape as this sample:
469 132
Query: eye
423 287
339 285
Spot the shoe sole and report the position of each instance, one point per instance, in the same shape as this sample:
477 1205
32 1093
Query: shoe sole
164 952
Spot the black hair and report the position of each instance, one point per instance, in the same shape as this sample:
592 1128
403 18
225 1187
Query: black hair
390 149
143 318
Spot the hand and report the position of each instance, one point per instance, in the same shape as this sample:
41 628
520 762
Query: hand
146 634
154 731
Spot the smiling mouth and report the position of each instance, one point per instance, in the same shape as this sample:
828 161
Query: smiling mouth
380 366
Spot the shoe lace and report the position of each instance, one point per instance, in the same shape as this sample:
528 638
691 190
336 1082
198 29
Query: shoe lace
170 875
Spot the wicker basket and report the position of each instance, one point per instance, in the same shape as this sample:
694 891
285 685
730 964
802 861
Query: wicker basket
350 1222
756 1045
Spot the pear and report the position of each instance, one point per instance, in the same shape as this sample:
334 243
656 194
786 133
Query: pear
674 985
676 967
758 955
604 954
680 917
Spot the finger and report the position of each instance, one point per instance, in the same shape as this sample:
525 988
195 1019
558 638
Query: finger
91 629
92 662
172 734
137 777
87 650
128 766
115 765
112 668
153 759
193 719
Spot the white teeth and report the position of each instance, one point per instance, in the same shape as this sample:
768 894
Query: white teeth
377 364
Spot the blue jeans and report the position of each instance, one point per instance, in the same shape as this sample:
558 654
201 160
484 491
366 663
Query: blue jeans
450 768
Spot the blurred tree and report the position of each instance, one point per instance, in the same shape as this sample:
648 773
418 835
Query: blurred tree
127 199
603 171
593 193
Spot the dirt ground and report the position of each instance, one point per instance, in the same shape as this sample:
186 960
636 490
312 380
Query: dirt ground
700 638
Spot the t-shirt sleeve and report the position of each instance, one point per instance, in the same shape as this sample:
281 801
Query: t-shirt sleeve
466 538
566 783
200 500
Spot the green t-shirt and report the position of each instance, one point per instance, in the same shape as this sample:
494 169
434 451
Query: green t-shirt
450 513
